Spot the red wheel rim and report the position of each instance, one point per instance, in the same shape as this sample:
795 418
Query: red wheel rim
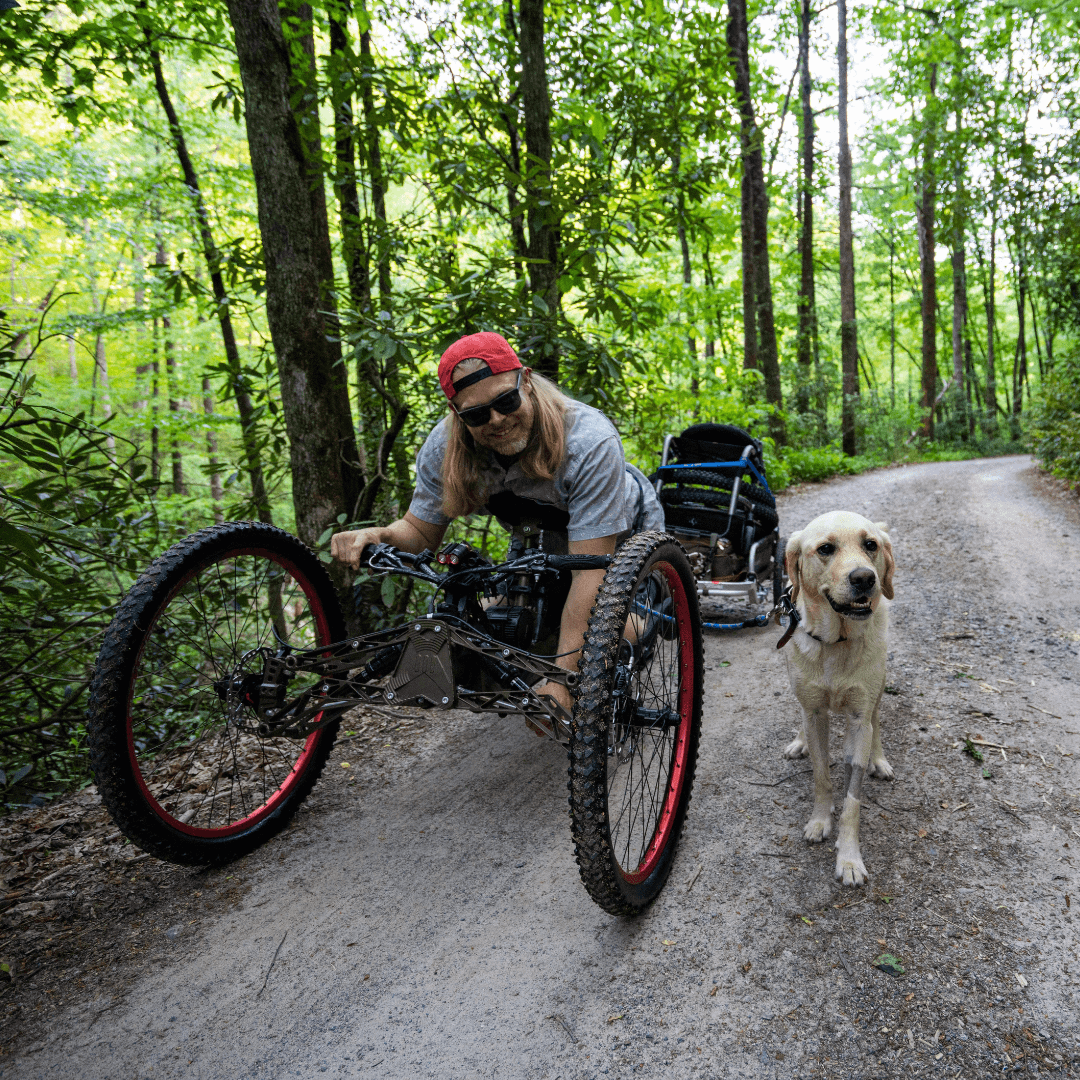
286 786
667 818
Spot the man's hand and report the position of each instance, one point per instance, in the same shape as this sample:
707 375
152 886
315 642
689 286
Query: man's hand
347 547
557 691
408 533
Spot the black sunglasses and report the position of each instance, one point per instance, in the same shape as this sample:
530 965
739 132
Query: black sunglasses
505 404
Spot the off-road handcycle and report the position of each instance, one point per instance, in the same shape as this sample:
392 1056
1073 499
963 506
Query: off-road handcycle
225 673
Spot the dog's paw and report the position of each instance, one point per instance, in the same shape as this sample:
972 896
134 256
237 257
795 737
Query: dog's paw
881 768
850 868
796 748
817 829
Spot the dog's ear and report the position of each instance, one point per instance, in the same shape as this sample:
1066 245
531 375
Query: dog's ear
890 565
791 563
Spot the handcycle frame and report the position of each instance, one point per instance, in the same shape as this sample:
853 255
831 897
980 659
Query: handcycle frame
201 751
412 664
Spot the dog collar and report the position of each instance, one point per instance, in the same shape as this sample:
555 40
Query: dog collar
786 607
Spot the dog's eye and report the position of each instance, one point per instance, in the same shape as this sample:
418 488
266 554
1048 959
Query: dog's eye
870 545
826 550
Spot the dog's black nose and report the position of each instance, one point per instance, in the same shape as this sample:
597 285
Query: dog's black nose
863 579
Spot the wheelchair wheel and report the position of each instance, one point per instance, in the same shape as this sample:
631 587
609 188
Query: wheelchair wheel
636 723
174 746
708 478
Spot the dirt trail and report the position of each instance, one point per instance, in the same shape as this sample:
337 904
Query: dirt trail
423 916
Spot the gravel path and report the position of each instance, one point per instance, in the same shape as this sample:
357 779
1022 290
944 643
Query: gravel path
423 915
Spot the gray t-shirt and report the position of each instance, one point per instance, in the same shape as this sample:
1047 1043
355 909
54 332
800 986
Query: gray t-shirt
596 486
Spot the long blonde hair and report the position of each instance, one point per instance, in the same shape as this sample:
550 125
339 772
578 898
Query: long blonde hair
464 461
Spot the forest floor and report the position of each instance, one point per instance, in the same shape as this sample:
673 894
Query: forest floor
423 916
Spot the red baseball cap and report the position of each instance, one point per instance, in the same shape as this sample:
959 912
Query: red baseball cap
493 349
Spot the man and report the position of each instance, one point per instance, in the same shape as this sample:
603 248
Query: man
511 435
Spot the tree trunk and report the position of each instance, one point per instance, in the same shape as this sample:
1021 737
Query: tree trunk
542 216
959 282
101 379
925 209
746 224
991 329
375 173
807 308
216 492
892 319
849 339
687 269
155 394
353 248
1020 356
212 256
299 268
710 288
73 367
513 132
171 394
756 197
1035 333
385 380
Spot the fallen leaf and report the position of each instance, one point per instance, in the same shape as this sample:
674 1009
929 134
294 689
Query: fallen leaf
1020 979
612 1019
667 941
889 964
712 992
747 966
346 765
809 922
882 941
922 833
909 997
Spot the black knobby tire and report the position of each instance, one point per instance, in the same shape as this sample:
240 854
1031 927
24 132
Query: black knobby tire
625 841
714 479
175 750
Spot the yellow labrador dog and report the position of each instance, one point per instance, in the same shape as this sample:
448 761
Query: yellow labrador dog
841 572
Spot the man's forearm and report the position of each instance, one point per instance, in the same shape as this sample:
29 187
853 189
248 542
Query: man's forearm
405 534
575 616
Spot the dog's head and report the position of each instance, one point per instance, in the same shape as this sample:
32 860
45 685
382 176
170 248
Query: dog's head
845 559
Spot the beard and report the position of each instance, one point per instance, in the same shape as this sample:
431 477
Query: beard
512 444
512 447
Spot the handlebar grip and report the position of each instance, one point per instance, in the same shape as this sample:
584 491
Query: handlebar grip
579 562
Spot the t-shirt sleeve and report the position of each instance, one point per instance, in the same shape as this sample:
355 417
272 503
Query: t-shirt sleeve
428 495
597 497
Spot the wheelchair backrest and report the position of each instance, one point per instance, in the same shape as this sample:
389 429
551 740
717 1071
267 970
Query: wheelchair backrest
713 443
